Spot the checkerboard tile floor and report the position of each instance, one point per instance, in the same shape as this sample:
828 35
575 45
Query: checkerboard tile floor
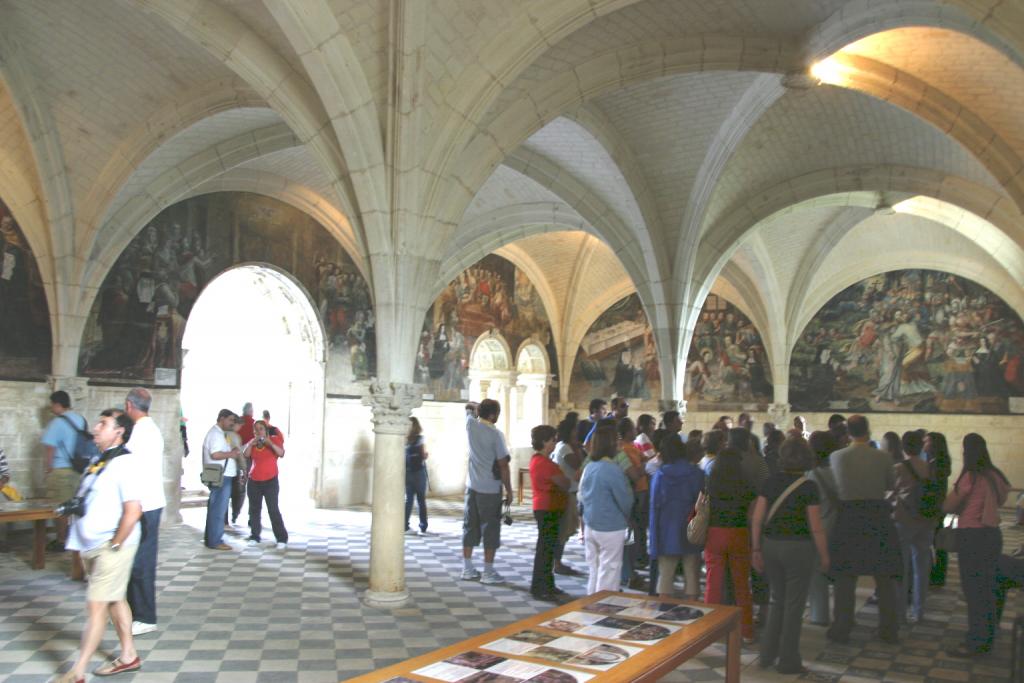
264 615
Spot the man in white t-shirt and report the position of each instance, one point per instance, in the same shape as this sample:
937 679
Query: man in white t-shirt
218 451
147 447
107 536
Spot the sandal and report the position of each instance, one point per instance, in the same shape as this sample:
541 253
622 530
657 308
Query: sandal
119 667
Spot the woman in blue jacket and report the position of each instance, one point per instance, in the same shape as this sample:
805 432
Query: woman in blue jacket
605 500
674 491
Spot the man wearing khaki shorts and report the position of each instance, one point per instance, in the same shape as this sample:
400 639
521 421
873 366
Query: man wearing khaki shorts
106 532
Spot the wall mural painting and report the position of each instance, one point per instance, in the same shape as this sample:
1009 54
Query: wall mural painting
617 357
727 366
910 340
25 343
138 320
492 294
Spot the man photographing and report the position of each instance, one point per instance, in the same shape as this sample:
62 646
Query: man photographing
105 530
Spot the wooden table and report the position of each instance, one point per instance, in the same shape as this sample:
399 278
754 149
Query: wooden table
37 512
649 662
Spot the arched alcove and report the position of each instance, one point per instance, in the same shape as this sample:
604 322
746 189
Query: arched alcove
530 403
491 374
253 335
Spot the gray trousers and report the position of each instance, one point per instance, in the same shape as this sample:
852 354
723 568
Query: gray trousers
788 566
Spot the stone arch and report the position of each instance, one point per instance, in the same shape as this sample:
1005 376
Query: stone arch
532 358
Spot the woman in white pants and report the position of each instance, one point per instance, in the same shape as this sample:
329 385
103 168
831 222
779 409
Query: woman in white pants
605 499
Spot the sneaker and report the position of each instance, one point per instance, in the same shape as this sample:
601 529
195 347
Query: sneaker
252 541
140 628
422 532
491 578
470 575
281 546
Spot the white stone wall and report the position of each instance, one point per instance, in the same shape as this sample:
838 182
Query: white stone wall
24 412
346 475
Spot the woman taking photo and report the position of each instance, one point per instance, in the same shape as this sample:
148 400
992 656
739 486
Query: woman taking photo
605 499
674 491
976 496
788 536
728 542
263 451
415 475
549 487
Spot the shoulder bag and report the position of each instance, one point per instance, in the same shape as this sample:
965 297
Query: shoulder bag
213 475
697 527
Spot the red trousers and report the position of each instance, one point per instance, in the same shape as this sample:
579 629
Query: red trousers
730 547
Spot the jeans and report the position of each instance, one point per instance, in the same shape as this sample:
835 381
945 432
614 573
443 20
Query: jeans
978 551
916 546
604 558
269 489
237 495
416 487
789 565
216 508
730 547
141 594
543 581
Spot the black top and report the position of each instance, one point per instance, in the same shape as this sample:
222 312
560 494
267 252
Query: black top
729 508
791 517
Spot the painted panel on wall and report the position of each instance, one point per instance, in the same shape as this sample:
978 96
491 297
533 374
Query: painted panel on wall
138 319
727 366
617 356
492 294
25 342
910 340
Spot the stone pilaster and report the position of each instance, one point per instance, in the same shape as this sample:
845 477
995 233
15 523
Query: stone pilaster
392 404
77 388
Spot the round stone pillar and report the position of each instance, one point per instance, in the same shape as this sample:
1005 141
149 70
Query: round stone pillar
392 405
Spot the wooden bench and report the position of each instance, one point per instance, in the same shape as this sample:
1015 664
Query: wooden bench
616 649
524 475
38 512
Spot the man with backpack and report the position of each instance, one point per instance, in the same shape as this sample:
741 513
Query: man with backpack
60 439
916 508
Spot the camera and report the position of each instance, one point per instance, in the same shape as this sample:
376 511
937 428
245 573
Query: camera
506 515
73 506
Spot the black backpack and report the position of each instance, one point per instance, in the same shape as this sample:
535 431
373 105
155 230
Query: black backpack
85 448
926 496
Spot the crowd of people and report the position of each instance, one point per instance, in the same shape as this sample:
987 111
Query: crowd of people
795 519
110 479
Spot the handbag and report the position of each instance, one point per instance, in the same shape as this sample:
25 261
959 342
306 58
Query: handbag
212 475
697 527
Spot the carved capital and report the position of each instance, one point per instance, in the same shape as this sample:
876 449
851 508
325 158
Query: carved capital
779 414
665 405
392 404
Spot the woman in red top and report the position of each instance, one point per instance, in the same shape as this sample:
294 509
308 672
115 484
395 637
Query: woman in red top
263 451
549 488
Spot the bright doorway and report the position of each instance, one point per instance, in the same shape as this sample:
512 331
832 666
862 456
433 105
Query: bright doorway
254 336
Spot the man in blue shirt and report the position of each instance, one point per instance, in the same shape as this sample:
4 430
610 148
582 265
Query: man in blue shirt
59 440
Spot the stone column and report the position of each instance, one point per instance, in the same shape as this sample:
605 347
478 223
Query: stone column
392 404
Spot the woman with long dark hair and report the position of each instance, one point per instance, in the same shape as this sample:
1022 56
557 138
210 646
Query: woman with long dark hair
415 474
728 541
976 496
936 452
569 456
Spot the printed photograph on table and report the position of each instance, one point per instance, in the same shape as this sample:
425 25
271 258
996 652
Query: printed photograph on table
617 356
611 627
910 341
645 609
727 366
480 667
492 294
567 650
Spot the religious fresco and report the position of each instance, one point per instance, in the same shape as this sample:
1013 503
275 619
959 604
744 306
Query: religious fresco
138 320
727 366
617 357
492 294
910 340
25 342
